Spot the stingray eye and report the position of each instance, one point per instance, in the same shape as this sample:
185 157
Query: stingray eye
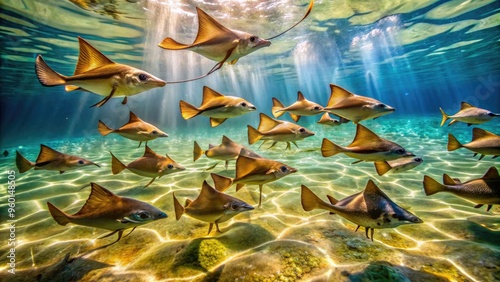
170 166
283 168
81 162
302 130
142 77
253 39
234 206
243 104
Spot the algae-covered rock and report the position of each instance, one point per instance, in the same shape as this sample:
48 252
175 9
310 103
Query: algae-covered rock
276 261
211 253
201 253
383 273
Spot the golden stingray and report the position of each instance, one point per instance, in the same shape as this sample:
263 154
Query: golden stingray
50 159
483 143
257 171
221 44
150 164
211 206
228 150
135 129
482 191
370 208
277 131
469 115
397 165
326 119
106 210
355 107
216 106
366 146
96 73
302 107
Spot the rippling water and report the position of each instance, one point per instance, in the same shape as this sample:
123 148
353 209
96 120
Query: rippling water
415 56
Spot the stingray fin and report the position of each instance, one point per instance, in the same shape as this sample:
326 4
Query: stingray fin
300 96
478 133
267 123
209 28
372 188
148 153
214 122
363 136
133 118
382 167
492 173
337 94
447 180
170 44
47 154
227 142
209 94
70 88
89 58
99 198
465 105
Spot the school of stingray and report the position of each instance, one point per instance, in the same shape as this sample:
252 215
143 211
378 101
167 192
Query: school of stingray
370 208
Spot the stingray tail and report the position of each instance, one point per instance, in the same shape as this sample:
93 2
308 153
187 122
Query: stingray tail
179 209
277 108
116 165
309 200
221 183
453 143
197 151
445 117
187 110
328 148
59 216
46 75
103 128
431 186
253 135
22 163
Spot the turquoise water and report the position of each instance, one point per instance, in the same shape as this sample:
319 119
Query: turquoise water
416 57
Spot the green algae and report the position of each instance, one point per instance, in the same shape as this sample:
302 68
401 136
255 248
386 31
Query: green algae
383 273
211 252
202 253
294 264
